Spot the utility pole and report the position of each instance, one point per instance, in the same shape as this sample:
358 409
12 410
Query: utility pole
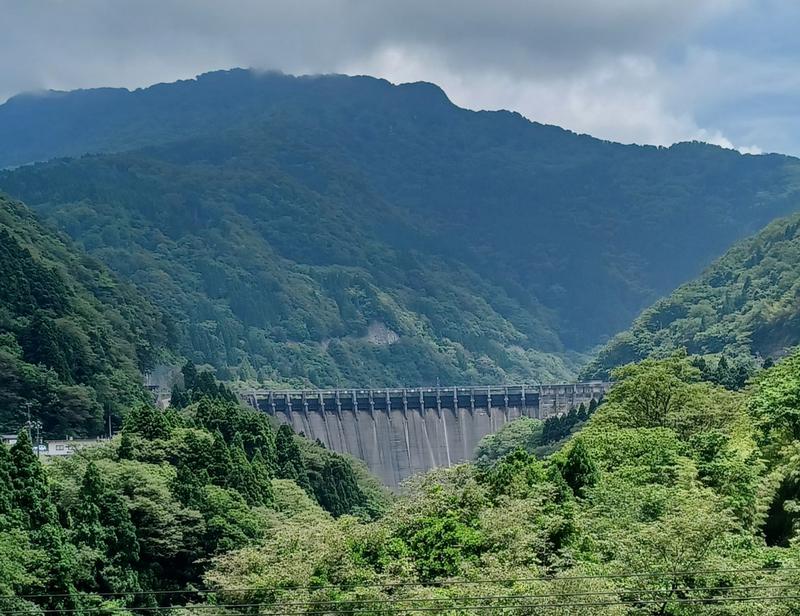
38 425
28 423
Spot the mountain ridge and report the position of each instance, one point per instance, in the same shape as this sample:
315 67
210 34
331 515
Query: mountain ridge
519 236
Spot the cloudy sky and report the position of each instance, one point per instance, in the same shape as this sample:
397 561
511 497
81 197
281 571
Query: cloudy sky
645 71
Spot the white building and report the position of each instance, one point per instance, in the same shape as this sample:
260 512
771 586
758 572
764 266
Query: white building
68 446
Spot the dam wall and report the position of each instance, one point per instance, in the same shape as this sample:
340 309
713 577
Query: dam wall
401 432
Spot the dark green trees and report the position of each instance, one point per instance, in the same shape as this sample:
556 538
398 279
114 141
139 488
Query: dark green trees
102 524
578 469
73 339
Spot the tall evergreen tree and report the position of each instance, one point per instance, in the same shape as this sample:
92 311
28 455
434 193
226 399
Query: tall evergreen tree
289 460
579 470
263 477
87 526
241 477
150 422
220 466
6 486
31 491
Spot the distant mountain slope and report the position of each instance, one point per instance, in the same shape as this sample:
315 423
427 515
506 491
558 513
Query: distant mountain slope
295 220
748 301
288 283
72 338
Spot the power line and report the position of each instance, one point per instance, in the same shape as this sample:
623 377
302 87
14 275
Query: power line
431 584
453 602
221 610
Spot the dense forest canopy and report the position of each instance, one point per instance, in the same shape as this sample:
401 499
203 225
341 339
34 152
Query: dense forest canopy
678 496
745 305
336 230
74 339
134 523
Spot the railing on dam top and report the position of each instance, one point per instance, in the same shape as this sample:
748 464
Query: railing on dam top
558 397
400 431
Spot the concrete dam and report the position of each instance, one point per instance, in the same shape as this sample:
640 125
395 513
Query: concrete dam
400 432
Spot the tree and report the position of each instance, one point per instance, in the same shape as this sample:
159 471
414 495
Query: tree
289 460
31 490
651 391
579 469
775 404
6 485
221 464
87 527
148 421
523 433
241 477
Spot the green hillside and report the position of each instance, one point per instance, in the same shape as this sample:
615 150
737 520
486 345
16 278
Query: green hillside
746 303
336 230
73 339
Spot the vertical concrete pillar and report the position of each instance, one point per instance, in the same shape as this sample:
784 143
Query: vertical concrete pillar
539 411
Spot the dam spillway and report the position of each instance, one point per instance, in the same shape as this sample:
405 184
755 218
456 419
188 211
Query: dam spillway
399 432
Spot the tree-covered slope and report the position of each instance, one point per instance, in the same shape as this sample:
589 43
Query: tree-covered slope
286 281
678 497
294 221
746 303
73 339
130 526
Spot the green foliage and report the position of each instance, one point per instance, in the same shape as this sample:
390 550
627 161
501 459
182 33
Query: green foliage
776 405
578 468
342 230
694 507
73 339
523 433
742 308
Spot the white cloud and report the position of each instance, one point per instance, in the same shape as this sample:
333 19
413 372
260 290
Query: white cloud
628 70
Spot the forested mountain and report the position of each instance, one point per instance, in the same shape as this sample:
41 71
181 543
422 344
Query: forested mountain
746 304
73 338
341 230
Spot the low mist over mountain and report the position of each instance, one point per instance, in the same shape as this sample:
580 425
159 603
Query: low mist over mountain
343 230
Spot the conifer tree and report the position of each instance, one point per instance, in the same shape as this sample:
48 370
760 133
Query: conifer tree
289 460
219 468
579 470
148 421
6 487
86 520
241 477
31 492
263 477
